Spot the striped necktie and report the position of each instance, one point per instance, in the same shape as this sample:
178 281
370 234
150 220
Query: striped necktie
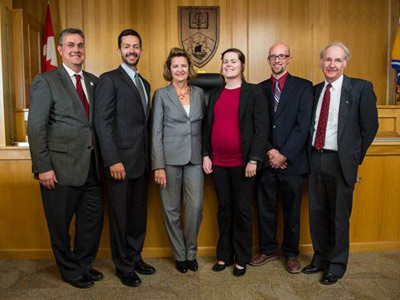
277 95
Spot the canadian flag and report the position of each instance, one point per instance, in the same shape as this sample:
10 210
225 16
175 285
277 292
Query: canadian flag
49 59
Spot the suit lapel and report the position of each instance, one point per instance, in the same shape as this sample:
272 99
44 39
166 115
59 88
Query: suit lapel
90 90
174 99
285 96
70 88
129 81
317 92
147 91
211 104
194 103
344 106
244 95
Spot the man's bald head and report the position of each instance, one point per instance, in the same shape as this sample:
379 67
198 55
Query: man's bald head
279 58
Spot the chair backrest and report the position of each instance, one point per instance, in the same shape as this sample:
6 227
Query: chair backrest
208 81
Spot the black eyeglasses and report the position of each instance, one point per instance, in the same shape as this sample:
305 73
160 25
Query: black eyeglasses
279 56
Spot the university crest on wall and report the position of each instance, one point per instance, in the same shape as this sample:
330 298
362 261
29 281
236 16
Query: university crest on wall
199 32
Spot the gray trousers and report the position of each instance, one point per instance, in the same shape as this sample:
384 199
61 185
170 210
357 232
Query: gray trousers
187 180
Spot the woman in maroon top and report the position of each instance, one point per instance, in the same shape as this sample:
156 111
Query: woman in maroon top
235 137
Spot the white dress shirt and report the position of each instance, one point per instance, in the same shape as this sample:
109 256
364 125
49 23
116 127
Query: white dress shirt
331 142
131 73
71 74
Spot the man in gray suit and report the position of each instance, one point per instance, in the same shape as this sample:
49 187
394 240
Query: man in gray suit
344 124
64 156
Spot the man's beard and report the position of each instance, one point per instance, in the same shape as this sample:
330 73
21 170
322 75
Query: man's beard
125 59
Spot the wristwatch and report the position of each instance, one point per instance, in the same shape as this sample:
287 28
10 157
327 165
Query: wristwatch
252 162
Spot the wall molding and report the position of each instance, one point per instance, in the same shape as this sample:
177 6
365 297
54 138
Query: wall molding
202 251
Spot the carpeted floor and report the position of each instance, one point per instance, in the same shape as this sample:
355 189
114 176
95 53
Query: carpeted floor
369 276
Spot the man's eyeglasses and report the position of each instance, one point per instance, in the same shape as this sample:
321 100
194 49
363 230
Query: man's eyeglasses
279 56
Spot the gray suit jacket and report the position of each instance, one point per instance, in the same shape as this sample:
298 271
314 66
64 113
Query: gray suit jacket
176 137
60 134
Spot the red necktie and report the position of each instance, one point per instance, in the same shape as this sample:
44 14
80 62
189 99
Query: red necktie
323 120
81 94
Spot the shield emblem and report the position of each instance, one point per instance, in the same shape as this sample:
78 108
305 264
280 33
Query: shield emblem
199 32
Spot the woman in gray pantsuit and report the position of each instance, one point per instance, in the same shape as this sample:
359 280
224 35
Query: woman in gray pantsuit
177 116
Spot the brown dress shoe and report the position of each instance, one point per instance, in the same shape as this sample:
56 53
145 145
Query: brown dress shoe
260 259
292 265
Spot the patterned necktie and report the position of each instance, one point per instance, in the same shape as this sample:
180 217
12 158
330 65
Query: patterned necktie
81 94
323 119
277 95
139 87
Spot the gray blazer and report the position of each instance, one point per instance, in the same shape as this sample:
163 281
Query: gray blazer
176 137
60 134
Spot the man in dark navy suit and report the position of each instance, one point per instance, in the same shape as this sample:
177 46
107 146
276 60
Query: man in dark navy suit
121 120
344 124
290 105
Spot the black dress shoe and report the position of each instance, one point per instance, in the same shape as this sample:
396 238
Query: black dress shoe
329 278
193 265
129 279
311 269
142 268
94 275
82 282
239 272
218 267
181 266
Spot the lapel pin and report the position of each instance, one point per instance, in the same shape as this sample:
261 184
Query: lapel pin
91 83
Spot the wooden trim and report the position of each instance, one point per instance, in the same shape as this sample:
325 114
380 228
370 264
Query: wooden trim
202 251
14 153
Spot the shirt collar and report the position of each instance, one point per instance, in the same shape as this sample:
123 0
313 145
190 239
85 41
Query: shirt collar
281 80
71 73
337 84
128 70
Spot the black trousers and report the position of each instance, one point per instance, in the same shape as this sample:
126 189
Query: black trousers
270 185
330 203
128 217
235 215
60 204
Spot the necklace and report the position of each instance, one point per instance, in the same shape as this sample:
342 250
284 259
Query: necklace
182 93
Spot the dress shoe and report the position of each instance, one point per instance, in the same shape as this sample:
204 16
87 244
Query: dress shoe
292 265
181 266
193 265
94 275
261 258
311 269
239 272
129 279
329 278
142 268
219 267
82 282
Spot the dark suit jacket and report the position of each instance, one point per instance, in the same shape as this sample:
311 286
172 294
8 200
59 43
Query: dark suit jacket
60 134
121 123
290 124
253 120
357 125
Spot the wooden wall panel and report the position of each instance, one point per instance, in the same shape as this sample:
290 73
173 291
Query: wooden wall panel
253 26
375 222
363 27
